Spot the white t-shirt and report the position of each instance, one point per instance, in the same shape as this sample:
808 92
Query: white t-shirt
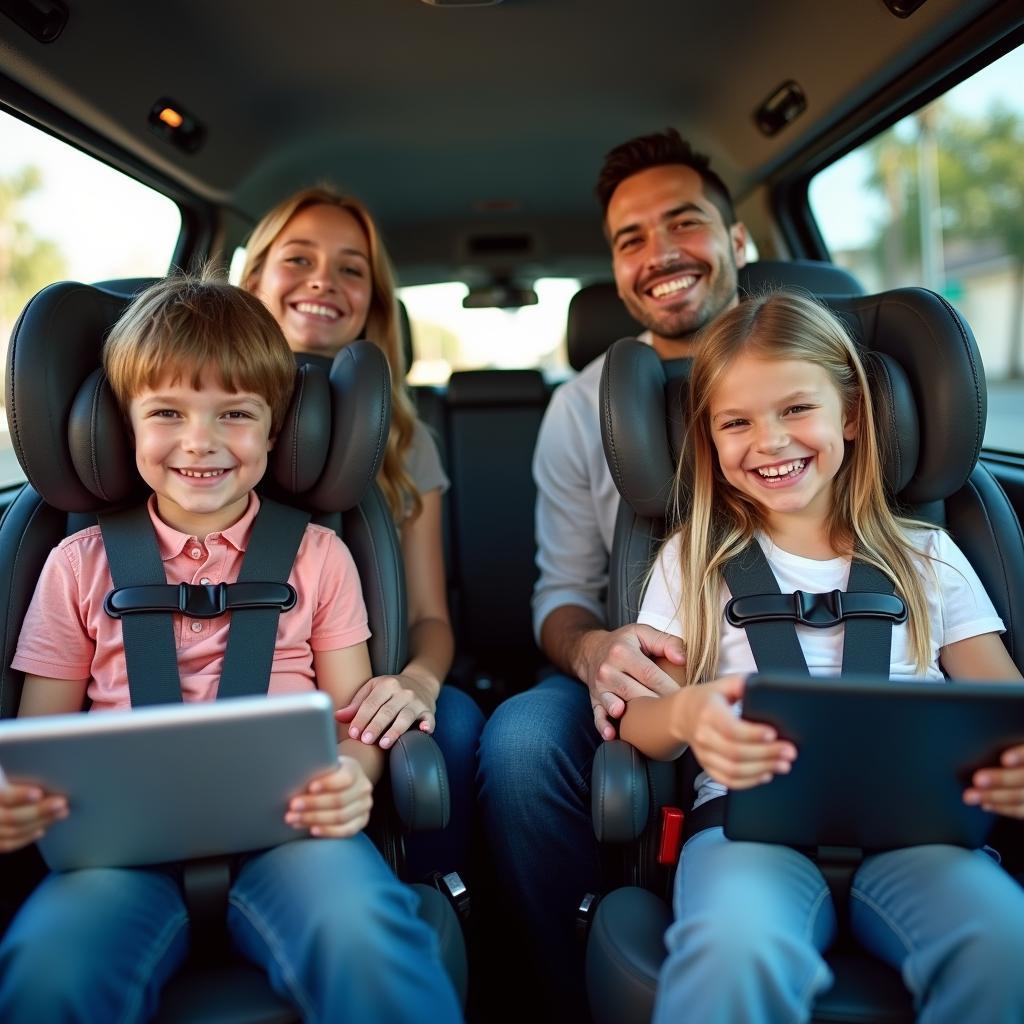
958 608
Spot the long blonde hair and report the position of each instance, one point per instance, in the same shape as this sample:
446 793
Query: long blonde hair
381 328
716 522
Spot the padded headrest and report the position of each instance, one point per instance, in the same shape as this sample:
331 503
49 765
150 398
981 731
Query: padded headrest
597 316
815 276
927 383
496 388
74 445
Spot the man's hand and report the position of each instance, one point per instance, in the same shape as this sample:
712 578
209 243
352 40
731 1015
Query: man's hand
619 666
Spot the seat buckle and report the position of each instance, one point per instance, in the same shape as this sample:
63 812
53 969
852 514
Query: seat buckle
818 610
202 600
670 842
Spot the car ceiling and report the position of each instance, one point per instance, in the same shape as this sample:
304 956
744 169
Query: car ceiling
459 122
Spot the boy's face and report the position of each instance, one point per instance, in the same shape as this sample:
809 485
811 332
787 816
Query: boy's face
200 451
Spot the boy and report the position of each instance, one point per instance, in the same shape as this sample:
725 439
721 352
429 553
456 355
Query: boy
204 377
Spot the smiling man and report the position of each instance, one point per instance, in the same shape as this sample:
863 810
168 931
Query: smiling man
676 246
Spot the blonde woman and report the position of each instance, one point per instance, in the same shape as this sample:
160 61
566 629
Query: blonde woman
783 453
317 262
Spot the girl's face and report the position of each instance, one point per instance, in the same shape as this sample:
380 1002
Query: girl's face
779 430
316 280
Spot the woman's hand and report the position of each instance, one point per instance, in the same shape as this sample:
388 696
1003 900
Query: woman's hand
334 805
386 706
1000 789
734 752
26 812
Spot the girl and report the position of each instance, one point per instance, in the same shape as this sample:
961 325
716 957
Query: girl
783 452
317 262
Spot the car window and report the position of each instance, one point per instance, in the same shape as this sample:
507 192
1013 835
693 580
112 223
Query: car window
447 337
66 216
938 200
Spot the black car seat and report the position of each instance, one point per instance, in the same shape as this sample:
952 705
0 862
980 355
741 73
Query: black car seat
78 461
929 386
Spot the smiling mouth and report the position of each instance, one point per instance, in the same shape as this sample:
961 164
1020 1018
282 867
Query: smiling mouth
672 286
783 471
316 309
201 474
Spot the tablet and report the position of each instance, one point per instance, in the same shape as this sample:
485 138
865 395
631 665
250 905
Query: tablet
172 782
879 764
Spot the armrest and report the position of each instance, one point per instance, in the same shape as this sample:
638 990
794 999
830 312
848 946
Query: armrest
620 795
419 782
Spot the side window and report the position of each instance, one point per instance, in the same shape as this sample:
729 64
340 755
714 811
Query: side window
65 215
938 200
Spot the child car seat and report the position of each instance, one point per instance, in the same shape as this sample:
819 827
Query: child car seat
72 443
928 383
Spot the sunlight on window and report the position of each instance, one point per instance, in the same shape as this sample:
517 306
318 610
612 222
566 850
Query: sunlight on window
447 337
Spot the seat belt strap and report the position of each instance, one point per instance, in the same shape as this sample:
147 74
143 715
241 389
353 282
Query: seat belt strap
773 642
867 642
252 637
149 649
137 571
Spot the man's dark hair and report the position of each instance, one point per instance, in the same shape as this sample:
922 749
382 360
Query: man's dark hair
658 150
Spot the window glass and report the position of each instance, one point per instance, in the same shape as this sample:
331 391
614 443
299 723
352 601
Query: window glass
447 337
67 216
938 200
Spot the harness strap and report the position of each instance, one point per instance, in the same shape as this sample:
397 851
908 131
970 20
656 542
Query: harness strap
773 642
252 636
145 601
867 642
149 649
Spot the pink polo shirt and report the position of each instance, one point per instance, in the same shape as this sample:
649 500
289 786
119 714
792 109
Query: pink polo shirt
68 635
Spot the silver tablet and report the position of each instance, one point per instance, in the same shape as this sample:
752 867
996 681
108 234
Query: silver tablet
172 782
879 764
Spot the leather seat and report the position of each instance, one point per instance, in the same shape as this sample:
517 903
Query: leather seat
928 382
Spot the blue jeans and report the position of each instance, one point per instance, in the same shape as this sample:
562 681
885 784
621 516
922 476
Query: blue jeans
336 932
459 722
536 754
751 920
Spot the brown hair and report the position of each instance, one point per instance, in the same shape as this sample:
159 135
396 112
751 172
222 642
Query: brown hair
381 328
183 325
717 521
659 150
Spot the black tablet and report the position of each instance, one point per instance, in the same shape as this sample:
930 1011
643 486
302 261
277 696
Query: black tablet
879 764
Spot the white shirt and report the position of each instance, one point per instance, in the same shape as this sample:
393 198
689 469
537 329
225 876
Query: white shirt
577 500
958 608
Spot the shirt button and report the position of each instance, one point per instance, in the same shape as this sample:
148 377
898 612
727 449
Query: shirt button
196 552
205 581
196 627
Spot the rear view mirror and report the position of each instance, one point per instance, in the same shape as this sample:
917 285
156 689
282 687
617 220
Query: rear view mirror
499 294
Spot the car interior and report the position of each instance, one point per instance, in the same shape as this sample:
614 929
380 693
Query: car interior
473 130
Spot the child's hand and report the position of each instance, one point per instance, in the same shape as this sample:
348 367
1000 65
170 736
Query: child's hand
386 706
734 752
336 804
1000 789
26 812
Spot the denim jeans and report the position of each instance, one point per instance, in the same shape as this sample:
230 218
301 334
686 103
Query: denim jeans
536 754
751 920
336 932
459 722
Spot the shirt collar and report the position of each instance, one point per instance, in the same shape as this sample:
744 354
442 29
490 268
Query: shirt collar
171 542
